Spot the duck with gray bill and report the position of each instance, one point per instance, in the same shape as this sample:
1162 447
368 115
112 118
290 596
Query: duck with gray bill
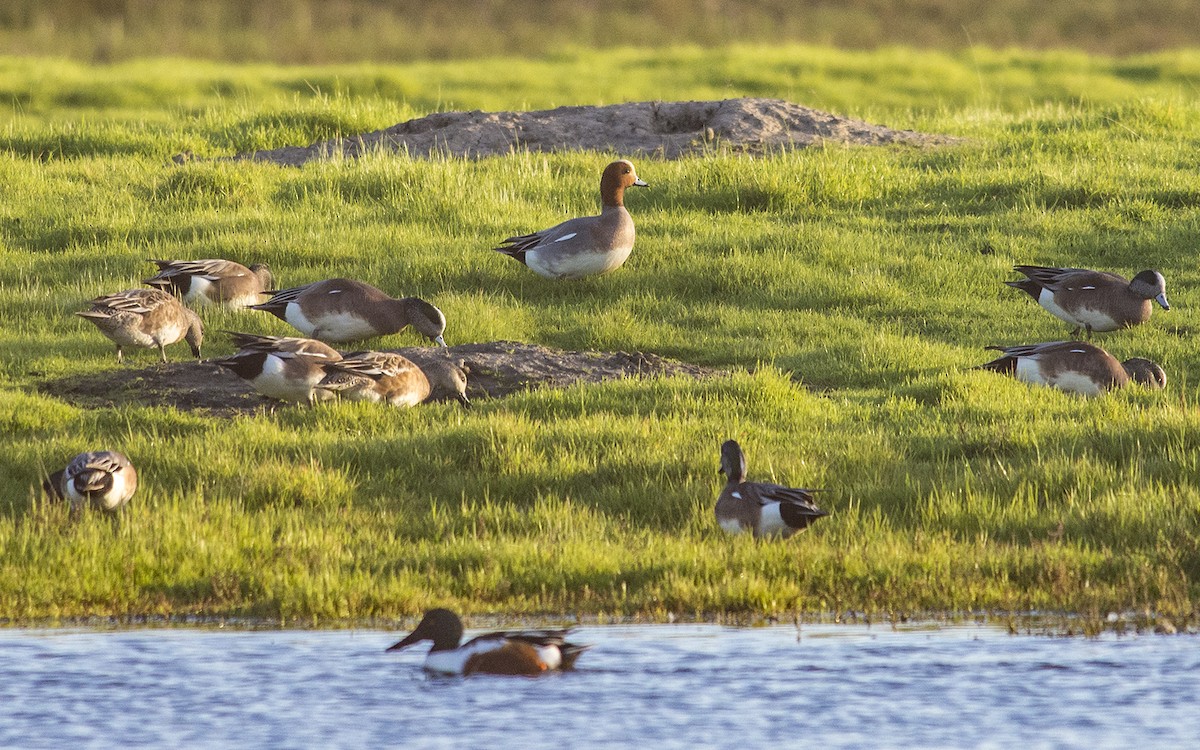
508 652
1075 367
281 367
766 510
342 310
104 480
212 280
1093 300
586 246
146 318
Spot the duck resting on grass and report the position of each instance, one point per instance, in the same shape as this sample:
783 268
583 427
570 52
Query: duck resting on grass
1075 367
381 377
340 310
104 480
524 652
212 280
766 510
589 245
1093 300
281 367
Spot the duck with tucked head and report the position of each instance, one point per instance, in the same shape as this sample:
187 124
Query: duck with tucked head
340 310
1093 300
104 480
1074 367
766 510
589 245
511 652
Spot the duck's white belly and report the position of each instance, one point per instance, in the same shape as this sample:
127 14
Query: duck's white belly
771 522
198 291
276 382
553 265
1075 382
336 327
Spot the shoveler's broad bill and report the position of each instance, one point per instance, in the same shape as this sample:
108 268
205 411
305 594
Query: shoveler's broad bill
764 509
513 652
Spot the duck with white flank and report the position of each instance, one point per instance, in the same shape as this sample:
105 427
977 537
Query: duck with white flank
212 280
145 317
1075 367
1093 300
104 480
380 377
340 310
530 652
281 367
587 246
765 509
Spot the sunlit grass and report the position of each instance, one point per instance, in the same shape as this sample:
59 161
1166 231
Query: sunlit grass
848 291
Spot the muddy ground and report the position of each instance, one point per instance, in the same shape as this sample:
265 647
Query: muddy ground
666 129
496 369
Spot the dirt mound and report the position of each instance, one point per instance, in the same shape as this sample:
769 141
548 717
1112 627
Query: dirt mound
666 129
497 369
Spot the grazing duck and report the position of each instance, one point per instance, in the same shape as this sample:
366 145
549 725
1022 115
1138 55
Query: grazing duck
101 479
281 367
530 653
1093 300
1074 366
212 280
587 246
762 508
392 379
340 310
145 317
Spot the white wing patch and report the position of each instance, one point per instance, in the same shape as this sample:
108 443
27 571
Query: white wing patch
566 237
738 495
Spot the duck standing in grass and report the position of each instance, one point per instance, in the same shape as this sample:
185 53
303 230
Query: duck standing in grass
766 510
340 310
212 280
282 367
587 246
381 377
104 480
145 317
526 652
1093 300
1075 367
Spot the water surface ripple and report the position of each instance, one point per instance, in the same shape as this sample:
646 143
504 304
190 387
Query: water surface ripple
663 686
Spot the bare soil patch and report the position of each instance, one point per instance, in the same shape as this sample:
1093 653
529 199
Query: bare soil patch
665 129
497 369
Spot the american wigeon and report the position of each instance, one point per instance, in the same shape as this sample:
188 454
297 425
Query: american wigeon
145 317
761 508
382 377
281 367
1093 300
527 653
341 310
587 246
212 280
1074 366
101 479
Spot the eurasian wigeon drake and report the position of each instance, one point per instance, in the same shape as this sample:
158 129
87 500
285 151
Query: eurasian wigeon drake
145 317
104 480
764 509
281 367
587 246
1093 300
381 377
212 280
527 652
1075 367
341 310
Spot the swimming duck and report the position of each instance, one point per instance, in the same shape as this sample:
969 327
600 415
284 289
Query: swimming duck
212 280
145 317
342 310
764 509
1074 366
1093 300
587 246
530 653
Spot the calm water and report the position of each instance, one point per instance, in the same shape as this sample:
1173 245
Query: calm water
641 686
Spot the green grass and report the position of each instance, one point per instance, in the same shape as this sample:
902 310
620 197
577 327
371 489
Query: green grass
849 290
